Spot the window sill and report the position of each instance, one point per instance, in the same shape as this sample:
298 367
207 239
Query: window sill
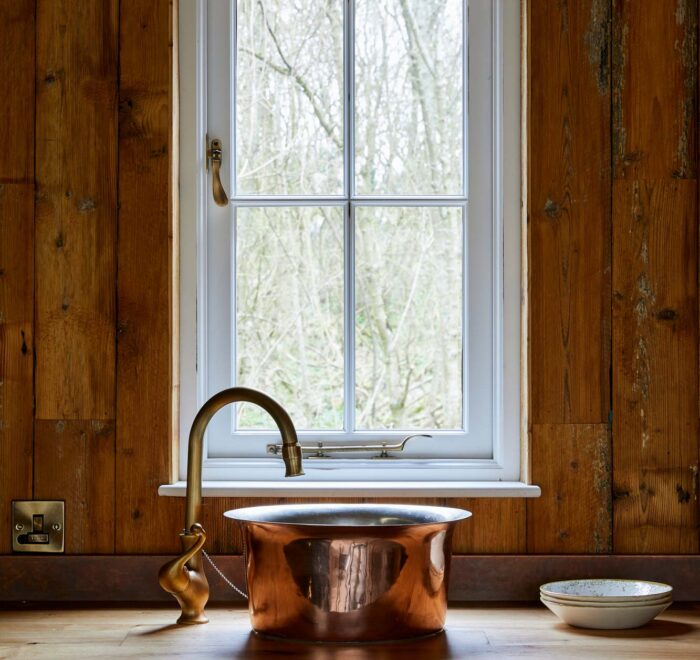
355 489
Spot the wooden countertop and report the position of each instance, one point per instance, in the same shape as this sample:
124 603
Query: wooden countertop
474 631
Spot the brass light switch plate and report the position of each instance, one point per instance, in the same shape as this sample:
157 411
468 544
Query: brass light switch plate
37 526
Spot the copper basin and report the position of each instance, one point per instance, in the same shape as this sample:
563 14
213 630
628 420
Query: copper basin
347 572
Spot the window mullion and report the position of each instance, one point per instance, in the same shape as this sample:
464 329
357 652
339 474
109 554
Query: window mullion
349 235
349 99
349 318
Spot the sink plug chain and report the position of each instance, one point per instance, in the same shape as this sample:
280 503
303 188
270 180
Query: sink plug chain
223 577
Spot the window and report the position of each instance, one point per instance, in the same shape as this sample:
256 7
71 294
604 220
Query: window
366 271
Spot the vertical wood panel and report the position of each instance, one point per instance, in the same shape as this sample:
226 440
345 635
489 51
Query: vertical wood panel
570 273
17 38
16 417
16 346
75 463
146 522
655 424
76 155
655 89
655 256
497 526
569 210
572 465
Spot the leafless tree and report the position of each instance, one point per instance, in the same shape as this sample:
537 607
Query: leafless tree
408 260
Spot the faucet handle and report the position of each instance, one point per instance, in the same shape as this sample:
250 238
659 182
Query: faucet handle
198 530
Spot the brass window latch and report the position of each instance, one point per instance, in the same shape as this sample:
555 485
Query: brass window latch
213 156
323 450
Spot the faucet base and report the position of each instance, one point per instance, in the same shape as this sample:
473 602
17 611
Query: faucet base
189 617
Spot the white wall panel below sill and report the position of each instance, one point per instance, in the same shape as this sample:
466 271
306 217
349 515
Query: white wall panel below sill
355 489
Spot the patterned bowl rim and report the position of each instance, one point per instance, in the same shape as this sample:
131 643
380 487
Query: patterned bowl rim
553 589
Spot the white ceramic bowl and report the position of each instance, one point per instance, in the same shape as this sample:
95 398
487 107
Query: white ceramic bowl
666 600
607 591
605 618
609 603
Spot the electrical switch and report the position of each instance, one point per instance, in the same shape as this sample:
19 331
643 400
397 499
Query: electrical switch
37 526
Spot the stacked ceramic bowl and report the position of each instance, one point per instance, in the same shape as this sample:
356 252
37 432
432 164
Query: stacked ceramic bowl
606 604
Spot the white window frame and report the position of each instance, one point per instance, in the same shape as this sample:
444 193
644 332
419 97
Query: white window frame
500 474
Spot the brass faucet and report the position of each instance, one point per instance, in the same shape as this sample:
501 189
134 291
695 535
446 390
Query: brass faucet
184 576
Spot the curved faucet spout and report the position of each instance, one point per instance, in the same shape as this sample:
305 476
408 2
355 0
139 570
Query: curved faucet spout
291 452
191 599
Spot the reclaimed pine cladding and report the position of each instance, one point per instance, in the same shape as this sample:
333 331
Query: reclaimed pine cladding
572 463
649 295
613 243
144 412
74 462
655 276
569 213
17 25
655 425
76 208
75 265
570 316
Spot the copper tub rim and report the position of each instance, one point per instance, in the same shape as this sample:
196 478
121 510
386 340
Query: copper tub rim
255 515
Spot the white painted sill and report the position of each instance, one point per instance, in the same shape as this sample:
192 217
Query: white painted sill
355 489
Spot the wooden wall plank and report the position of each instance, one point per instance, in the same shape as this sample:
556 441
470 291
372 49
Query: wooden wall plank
497 526
572 465
655 89
76 155
17 253
655 278
570 273
569 211
16 347
16 417
17 38
74 461
146 522
655 424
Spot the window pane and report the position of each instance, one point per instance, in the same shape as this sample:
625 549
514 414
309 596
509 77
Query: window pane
408 97
289 316
289 102
408 326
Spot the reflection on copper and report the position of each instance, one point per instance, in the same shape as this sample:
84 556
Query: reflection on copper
343 575
347 573
436 568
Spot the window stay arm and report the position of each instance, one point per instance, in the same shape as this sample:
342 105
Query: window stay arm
323 450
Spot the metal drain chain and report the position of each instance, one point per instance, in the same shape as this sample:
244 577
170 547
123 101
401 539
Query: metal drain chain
223 577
